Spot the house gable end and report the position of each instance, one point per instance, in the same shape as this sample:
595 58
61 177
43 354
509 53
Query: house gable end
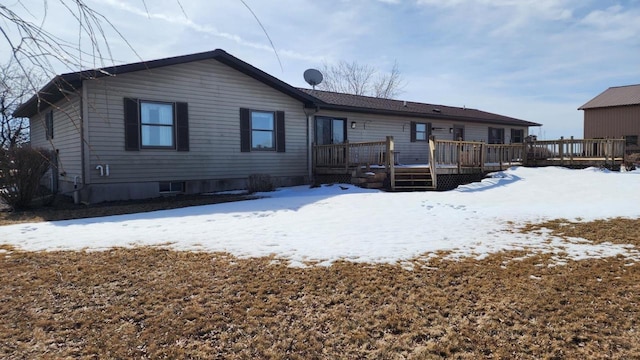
56 88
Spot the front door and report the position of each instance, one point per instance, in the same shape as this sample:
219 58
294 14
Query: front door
330 130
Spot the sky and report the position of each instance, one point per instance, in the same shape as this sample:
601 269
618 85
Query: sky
334 222
536 60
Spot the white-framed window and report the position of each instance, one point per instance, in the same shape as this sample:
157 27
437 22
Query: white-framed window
157 124
422 132
263 132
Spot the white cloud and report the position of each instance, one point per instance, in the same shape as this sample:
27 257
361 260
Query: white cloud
536 60
614 23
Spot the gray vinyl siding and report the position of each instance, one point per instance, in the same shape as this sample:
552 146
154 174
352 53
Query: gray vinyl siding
377 127
214 93
66 136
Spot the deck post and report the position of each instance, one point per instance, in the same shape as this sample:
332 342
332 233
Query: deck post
346 156
459 150
389 163
314 160
483 156
561 150
571 151
432 161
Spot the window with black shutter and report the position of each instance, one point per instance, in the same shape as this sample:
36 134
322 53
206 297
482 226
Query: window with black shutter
156 125
262 130
420 131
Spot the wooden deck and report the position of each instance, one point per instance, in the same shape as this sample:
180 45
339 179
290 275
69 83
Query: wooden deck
364 161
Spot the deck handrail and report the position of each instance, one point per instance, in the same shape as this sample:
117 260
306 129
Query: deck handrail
469 156
575 149
349 154
504 154
457 153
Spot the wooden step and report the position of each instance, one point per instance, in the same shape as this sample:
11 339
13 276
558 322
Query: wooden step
414 187
413 179
412 170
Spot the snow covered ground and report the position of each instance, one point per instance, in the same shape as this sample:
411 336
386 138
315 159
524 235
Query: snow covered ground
324 224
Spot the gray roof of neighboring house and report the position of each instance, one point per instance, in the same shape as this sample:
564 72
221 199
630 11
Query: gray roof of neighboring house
615 96
366 104
57 88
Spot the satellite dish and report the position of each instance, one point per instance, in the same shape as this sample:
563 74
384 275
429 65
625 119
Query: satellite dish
313 77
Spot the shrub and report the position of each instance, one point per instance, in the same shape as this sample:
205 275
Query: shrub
21 170
632 160
260 183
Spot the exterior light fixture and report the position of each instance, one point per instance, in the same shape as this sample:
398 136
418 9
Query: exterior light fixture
353 124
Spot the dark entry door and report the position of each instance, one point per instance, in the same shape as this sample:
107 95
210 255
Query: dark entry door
330 130
458 133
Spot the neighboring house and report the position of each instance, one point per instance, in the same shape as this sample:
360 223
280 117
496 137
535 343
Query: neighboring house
205 122
615 113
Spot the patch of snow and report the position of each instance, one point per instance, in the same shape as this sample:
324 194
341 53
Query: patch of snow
304 225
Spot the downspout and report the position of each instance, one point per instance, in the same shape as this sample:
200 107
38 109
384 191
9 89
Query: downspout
309 112
84 138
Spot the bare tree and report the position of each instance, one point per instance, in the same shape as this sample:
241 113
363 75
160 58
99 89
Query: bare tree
33 46
361 79
14 89
389 86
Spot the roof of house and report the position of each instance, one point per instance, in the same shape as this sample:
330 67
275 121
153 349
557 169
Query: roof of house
56 88
615 96
60 85
366 104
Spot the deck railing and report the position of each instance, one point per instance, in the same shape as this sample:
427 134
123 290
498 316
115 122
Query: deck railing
568 150
350 154
450 153
471 155
504 154
475 154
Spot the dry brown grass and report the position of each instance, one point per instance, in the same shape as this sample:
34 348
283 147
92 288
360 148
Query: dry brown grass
64 209
615 231
155 303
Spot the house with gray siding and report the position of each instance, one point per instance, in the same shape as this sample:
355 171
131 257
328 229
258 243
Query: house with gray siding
205 122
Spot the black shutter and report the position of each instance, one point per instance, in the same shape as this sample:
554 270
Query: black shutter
413 131
182 126
245 130
131 125
280 138
428 131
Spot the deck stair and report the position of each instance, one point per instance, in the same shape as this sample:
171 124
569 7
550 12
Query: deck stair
413 179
